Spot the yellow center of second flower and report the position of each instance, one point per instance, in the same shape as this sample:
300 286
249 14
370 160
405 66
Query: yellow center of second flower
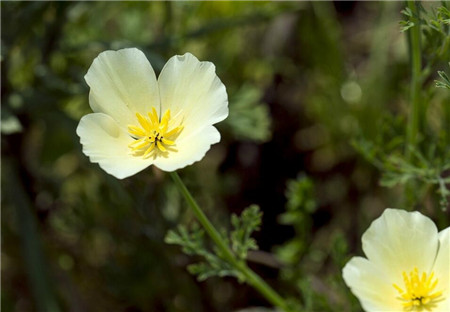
153 135
419 292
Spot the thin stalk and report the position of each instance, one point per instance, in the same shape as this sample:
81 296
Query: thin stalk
251 277
32 252
417 111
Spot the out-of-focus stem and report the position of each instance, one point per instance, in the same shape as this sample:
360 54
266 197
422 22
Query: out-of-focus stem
251 277
32 253
417 111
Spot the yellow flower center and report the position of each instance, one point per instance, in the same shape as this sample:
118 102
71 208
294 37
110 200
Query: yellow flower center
153 136
419 292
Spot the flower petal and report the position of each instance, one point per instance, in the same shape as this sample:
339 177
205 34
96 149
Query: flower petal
189 150
370 285
192 89
442 269
399 241
107 144
122 83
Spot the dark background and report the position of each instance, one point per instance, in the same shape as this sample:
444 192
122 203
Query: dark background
304 81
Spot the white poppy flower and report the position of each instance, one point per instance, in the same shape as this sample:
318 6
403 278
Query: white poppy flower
407 265
140 121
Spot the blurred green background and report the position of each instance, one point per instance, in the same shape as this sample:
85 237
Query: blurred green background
304 80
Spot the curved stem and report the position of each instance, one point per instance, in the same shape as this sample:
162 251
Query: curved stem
417 110
251 277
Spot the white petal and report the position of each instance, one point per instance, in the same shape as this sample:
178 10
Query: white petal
122 83
107 144
399 241
371 286
442 269
192 88
189 150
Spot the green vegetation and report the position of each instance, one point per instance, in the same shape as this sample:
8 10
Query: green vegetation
337 111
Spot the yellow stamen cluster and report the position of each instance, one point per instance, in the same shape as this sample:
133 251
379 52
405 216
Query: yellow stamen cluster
418 294
153 135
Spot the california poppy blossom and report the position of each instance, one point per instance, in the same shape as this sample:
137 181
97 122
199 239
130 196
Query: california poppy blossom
407 265
139 120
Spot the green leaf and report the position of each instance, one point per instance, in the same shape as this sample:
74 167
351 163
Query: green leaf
407 12
405 25
446 80
249 118
192 242
244 226
300 195
213 263
216 267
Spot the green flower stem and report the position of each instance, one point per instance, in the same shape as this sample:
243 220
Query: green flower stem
417 111
42 286
251 277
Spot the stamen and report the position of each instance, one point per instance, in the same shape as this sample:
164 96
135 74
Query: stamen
136 130
153 135
418 294
149 150
160 146
143 122
167 142
153 116
174 131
